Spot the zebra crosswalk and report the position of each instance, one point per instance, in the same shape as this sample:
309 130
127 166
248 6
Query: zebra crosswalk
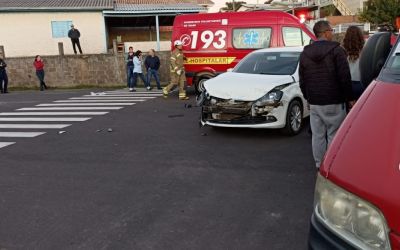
29 122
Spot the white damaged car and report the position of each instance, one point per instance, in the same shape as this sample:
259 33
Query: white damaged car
262 91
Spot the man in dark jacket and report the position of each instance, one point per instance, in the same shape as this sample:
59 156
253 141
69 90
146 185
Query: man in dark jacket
152 63
74 34
325 81
3 76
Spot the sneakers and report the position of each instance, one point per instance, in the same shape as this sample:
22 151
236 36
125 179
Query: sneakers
132 90
149 88
159 88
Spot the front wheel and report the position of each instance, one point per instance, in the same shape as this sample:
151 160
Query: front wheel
294 118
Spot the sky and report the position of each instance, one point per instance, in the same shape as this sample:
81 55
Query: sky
221 3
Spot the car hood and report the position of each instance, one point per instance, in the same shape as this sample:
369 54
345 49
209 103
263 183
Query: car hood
244 87
364 157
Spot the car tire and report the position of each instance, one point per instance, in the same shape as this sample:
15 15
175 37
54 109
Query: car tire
294 118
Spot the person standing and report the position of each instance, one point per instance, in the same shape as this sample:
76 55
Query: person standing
3 77
74 34
39 66
152 64
137 70
325 82
177 71
353 43
129 66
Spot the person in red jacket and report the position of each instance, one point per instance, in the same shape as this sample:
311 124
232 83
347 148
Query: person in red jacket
39 65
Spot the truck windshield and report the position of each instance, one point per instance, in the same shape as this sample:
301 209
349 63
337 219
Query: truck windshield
269 63
391 71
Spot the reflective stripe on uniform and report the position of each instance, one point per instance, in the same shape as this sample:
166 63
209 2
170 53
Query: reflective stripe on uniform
173 58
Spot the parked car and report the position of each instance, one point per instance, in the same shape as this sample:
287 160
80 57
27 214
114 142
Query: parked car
214 42
357 199
262 91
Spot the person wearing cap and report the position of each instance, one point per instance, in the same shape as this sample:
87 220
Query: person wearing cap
74 34
177 72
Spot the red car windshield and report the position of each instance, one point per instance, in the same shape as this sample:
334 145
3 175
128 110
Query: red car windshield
391 70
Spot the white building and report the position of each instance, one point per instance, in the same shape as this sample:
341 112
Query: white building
36 27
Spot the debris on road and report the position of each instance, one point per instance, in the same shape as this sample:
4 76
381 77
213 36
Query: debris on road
175 116
110 130
203 134
62 132
188 106
99 130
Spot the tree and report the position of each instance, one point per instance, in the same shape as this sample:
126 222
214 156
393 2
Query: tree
229 6
380 11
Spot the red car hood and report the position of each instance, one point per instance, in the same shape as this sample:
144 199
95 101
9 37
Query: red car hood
364 157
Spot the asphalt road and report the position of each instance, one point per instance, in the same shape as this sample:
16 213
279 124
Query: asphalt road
157 181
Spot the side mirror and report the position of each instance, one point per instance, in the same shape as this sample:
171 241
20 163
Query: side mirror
229 70
373 56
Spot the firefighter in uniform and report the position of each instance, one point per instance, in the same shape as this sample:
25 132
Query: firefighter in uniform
177 72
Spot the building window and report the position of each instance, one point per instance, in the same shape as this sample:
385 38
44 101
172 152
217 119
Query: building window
60 28
256 38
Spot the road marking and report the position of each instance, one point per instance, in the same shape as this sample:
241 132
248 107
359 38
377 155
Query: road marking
133 98
5 144
85 104
70 108
126 92
99 99
21 134
35 126
125 95
50 113
44 119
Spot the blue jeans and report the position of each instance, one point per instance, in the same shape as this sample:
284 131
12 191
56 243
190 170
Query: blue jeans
3 78
129 77
153 72
141 76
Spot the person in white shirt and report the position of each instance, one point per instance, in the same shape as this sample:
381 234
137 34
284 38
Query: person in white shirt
353 43
137 71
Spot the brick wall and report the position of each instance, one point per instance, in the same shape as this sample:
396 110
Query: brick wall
101 70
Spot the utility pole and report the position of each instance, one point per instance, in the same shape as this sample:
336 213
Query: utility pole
233 5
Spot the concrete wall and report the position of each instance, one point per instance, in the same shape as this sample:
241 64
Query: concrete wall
29 34
99 70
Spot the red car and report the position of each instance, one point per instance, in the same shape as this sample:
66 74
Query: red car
357 196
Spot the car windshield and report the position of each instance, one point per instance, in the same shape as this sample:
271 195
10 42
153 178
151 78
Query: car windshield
391 71
269 63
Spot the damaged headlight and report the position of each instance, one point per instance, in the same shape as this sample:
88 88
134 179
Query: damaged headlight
273 97
351 218
270 99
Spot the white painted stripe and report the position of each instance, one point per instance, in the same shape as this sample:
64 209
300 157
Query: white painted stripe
21 134
50 113
125 95
97 100
5 144
137 92
70 108
35 126
133 98
85 104
44 119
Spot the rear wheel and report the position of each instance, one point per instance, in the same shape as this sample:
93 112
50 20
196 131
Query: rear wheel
294 118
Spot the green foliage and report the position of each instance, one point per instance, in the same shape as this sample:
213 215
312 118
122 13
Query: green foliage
229 6
380 11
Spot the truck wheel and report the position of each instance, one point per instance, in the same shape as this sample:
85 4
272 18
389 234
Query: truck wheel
200 84
294 119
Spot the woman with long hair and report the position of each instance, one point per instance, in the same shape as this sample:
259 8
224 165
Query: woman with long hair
353 43
137 70
39 65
